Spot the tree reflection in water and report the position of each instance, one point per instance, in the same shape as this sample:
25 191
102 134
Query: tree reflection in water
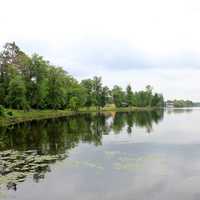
30 148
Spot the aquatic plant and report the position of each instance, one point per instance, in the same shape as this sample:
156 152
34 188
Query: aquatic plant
15 166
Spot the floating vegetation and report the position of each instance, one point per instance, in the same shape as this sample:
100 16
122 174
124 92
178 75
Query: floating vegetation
15 166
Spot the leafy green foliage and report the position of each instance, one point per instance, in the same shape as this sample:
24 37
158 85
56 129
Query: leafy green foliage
181 103
129 95
144 98
87 84
119 96
32 82
56 91
17 94
2 111
36 81
96 93
10 113
74 103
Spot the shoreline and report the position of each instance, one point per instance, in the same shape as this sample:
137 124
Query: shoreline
20 116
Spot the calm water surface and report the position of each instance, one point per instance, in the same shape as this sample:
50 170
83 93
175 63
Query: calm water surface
141 155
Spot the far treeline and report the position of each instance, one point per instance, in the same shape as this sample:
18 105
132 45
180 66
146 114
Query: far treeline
30 82
182 103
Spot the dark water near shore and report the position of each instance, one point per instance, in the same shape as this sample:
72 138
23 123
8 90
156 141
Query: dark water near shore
113 156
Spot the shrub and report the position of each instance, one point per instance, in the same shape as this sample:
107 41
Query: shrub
10 113
2 111
74 103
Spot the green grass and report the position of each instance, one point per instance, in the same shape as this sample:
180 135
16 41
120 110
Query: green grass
22 116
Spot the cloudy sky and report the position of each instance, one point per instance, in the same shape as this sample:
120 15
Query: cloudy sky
139 42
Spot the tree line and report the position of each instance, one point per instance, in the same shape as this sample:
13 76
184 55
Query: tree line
181 103
32 82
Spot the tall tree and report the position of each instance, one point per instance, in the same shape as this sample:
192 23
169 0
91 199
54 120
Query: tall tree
8 60
87 84
41 85
129 96
36 81
104 96
149 95
16 97
74 103
118 96
97 90
157 100
56 91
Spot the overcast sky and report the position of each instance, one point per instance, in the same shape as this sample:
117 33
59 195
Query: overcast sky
139 42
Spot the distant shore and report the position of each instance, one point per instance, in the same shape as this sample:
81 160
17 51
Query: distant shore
20 116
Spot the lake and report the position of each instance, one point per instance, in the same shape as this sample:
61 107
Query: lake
111 156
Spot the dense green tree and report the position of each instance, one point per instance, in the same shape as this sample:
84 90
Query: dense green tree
157 100
36 81
181 103
8 61
104 96
149 95
97 90
56 91
87 84
78 92
129 96
30 81
96 94
74 103
2 111
118 96
16 97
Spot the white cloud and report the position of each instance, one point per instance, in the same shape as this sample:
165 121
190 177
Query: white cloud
166 33
157 26
172 82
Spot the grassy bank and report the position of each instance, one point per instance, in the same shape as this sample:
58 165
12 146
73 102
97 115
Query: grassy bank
21 116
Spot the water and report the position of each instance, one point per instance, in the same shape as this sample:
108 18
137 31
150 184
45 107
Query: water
141 155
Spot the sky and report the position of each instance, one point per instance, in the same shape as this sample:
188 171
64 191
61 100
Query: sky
137 42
